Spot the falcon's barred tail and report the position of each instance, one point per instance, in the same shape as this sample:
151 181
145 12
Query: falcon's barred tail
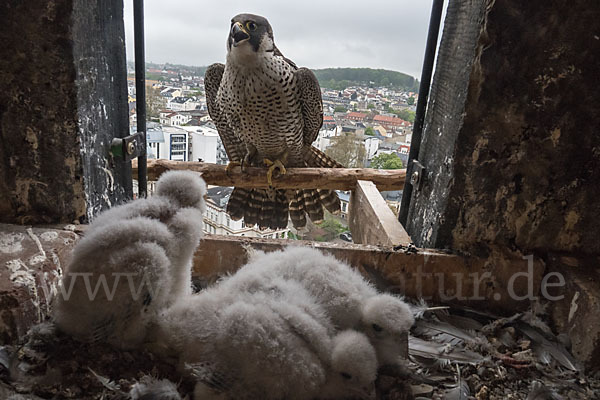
237 203
328 198
297 210
316 158
263 207
311 202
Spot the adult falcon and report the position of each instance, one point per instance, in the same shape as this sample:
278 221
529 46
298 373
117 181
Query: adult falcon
268 112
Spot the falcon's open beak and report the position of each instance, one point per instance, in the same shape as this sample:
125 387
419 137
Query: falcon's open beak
238 33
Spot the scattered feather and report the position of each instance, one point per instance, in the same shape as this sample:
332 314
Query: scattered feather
439 351
4 357
541 346
542 392
433 328
460 391
107 383
466 323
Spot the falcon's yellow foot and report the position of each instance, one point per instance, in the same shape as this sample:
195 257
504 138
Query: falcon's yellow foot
274 165
232 165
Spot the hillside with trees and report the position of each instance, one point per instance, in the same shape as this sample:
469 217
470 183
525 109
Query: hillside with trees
331 78
341 78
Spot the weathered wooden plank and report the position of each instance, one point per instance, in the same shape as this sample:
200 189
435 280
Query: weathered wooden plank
500 282
371 220
295 178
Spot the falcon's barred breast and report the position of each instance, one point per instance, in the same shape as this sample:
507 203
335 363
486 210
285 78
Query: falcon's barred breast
267 110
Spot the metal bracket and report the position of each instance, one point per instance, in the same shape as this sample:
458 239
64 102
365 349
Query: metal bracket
418 174
129 147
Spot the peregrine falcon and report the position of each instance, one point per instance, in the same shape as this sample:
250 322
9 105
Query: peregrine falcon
268 112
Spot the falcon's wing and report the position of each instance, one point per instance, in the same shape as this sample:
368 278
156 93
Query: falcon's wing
312 104
278 53
234 147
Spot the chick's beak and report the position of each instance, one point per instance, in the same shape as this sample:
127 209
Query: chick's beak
238 33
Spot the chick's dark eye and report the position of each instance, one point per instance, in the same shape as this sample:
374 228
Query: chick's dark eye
377 328
345 375
251 26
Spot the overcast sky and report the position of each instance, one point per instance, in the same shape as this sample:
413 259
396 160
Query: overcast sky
316 34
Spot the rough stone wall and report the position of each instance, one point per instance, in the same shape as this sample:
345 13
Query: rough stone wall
444 119
522 169
99 57
39 148
63 97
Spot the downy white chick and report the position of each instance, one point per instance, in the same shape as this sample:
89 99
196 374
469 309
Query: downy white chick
353 368
272 344
174 190
349 300
119 276
179 203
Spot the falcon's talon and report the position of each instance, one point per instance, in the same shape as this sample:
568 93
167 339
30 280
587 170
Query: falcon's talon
231 165
274 165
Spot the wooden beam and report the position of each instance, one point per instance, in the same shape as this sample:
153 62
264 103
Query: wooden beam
498 282
296 178
371 220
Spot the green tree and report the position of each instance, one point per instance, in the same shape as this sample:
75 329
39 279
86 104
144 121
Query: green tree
340 109
340 78
410 101
386 161
370 131
154 102
371 106
332 227
406 115
348 150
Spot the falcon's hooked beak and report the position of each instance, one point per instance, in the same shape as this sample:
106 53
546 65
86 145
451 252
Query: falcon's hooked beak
239 34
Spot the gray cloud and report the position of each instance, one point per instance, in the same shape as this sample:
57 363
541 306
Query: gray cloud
317 34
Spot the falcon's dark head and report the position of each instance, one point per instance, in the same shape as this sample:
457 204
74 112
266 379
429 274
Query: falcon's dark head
252 30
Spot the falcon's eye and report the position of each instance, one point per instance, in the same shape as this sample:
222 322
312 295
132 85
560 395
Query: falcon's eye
346 376
251 26
377 328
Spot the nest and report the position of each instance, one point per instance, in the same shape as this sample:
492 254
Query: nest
453 354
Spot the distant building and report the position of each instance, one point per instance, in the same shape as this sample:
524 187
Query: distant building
393 199
182 103
323 140
372 145
155 139
217 221
203 143
166 142
356 116
174 119
390 122
344 197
